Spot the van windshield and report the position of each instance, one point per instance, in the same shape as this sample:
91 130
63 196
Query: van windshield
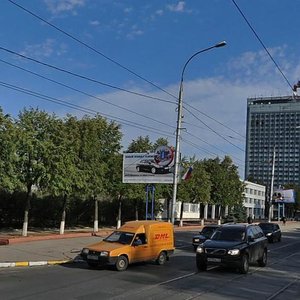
120 237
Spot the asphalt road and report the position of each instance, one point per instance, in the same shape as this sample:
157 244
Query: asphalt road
178 279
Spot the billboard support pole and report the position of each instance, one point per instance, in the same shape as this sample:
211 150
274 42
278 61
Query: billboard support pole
153 199
147 190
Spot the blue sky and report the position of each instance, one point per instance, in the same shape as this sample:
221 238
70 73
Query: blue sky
152 39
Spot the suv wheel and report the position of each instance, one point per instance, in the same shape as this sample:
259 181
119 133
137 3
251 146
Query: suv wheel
201 264
262 262
244 266
153 170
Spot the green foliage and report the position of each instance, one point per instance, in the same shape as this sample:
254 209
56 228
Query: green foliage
8 157
79 160
227 189
198 188
237 214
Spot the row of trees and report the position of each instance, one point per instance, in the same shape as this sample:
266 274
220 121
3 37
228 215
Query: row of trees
78 163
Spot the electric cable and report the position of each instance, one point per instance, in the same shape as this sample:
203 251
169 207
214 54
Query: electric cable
262 43
84 93
106 57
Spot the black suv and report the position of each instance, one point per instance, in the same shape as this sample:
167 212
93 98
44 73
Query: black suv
205 234
234 245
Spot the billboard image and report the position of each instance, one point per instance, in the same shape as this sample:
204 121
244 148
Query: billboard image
156 167
284 196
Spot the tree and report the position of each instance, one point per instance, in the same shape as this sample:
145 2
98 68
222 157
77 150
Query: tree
64 178
8 157
227 188
196 189
100 142
34 129
140 145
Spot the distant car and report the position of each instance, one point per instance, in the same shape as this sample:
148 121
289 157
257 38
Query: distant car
203 235
234 245
150 166
272 231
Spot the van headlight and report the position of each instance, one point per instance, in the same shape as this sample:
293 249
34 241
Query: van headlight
103 253
234 252
269 234
85 251
200 249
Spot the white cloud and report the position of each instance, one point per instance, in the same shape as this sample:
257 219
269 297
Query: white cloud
58 6
94 23
46 49
135 31
128 10
179 7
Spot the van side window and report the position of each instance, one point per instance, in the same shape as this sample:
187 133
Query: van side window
142 238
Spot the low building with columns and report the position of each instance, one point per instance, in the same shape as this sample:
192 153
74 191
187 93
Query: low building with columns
254 201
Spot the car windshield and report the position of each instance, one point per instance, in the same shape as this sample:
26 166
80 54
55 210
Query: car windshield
120 237
266 226
229 234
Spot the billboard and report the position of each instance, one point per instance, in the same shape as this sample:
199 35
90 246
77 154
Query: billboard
156 167
284 196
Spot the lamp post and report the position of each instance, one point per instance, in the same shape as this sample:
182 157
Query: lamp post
178 129
271 188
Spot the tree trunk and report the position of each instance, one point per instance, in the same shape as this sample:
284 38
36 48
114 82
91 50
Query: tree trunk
119 213
181 215
27 208
63 216
96 229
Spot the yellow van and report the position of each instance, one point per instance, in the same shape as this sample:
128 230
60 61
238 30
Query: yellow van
135 241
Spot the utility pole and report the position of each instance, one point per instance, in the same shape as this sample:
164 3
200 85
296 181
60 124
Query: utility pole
272 187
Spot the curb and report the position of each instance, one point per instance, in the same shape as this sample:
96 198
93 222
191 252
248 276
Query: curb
17 240
33 263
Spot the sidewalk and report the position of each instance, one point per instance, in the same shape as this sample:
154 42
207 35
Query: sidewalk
48 248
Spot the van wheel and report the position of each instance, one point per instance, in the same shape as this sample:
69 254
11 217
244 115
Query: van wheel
138 168
122 263
244 266
162 258
262 262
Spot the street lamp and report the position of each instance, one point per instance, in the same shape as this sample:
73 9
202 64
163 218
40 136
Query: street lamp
272 188
178 129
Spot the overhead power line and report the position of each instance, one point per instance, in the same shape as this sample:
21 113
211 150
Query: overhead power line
84 93
90 47
96 81
221 136
94 112
82 76
82 109
109 59
262 43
